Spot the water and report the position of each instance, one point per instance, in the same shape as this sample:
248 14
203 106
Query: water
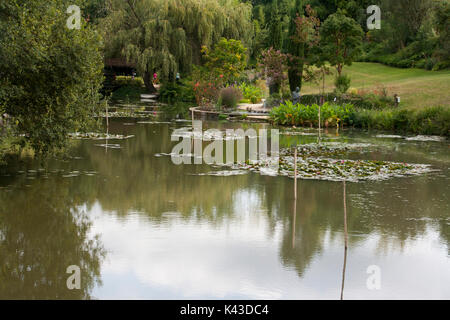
141 227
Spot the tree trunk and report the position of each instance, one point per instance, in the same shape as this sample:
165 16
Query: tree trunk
295 73
339 69
148 83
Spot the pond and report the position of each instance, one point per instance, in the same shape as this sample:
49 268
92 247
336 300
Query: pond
139 226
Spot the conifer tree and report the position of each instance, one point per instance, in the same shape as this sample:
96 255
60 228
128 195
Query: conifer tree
295 49
275 28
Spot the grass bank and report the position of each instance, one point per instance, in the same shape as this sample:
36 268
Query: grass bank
417 88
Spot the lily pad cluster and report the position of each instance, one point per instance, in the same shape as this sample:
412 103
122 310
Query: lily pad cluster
316 162
329 149
207 135
129 113
98 136
420 138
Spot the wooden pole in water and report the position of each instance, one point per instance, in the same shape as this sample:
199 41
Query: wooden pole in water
107 119
295 173
107 127
321 100
345 217
319 122
294 222
345 241
193 137
295 198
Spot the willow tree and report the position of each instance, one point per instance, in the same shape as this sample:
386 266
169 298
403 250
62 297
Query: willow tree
166 36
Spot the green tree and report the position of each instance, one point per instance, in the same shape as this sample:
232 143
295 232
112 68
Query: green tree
406 17
228 59
273 65
295 49
341 39
260 31
442 26
94 10
50 75
275 27
166 36
304 40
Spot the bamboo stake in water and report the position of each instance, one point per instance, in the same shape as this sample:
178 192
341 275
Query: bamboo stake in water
295 197
293 223
345 217
107 127
345 241
295 173
319 124
193 137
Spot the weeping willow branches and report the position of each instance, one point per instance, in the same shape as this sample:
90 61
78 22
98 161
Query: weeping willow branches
166 36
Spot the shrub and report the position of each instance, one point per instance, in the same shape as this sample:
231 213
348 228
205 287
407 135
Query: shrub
273 64
121 81
223 116
300 115
342 83
252 93
229 97
206 93
286 93
353 91
261 84
128 93
429 120
273 100
364 101
176 92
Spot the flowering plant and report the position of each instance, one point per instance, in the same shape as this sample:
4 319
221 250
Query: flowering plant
273 66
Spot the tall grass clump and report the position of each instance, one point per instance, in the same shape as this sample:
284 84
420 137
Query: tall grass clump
229 97
308 115
429 120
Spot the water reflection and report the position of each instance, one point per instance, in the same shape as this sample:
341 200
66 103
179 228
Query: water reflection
344 193
171 233
44 230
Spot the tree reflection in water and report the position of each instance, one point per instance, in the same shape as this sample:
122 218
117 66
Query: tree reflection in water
43 230
345 238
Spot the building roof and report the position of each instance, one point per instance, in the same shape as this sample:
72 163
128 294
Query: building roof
119 62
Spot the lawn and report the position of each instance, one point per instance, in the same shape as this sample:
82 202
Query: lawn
416 87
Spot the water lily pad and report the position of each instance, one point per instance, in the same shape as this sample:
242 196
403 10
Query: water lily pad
109 146
318 162
223 173
426 138
388 136
98 136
